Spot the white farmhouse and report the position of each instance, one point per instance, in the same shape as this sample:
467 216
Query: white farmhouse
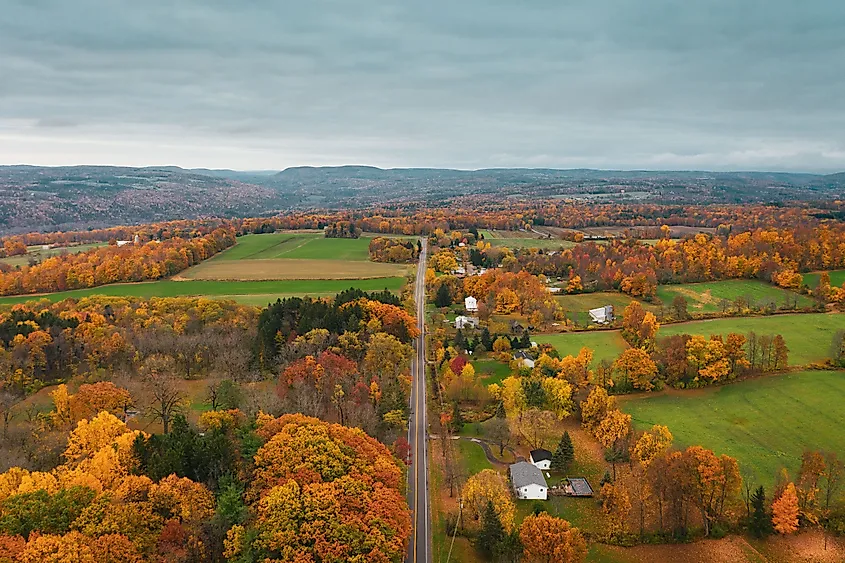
524 360
471 304
462 321
541 459
528 482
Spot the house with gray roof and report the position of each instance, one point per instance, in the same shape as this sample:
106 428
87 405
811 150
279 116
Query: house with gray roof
528 482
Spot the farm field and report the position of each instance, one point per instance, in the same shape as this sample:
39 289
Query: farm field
706 297
605 344
523 239
577 305
766 423
247 292
297 255
295 269
808 336
39 254
837 278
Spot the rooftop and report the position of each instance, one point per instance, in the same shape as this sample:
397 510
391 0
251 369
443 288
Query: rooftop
523 474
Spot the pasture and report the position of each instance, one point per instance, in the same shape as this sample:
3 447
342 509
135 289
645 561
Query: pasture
837 278
605 344
38 254
708 297
766 423
300 255
577 305
807 336
247 292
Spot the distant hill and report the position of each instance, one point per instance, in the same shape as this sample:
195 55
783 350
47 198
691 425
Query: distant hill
78 197
63 198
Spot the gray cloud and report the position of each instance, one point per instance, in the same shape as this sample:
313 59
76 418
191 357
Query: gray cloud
715 84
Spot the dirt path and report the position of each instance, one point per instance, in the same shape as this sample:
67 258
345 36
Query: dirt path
488 452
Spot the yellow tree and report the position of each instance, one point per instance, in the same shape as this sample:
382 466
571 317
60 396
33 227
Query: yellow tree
513 397
489 486
652 444
616 505
546 539
558 396
595 408
785 511
637 367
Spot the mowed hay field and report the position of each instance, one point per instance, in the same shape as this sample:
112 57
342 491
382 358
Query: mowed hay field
808 336
605 344
257 293
294 256
706 297
578 305
523 239
766 423
837 278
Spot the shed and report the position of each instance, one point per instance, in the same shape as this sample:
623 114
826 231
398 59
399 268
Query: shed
602 315
541 459
471 304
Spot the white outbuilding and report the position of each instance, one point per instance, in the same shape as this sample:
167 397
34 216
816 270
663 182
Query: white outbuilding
541 459
471 304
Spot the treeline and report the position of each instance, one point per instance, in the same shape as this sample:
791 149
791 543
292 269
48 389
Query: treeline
401 251
111 264
342 229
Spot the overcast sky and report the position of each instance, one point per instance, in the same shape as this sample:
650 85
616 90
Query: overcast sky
266 84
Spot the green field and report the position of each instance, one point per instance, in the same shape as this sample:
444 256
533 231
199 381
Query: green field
837 278
766 423
294 256
605 344
247 292
309 245
807 336
38 253
706 297
523 239
491 371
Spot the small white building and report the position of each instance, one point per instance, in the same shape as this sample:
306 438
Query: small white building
524 360
602 315
528 482
462 321
471 304
541 459
555 289
123 242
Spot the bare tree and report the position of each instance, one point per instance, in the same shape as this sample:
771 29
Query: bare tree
165 398
499 432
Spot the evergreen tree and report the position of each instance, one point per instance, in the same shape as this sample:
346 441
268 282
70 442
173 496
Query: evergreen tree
460 340
486 339
565 453
443 298
492 532
457 419
761 522
510 549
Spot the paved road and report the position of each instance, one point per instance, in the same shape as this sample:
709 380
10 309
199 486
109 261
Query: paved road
419 550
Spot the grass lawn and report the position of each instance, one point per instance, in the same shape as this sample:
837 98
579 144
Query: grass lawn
472 457
576 306
250 292
491 371
605 344
40 254
837 278
766 423
705 297
807 336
